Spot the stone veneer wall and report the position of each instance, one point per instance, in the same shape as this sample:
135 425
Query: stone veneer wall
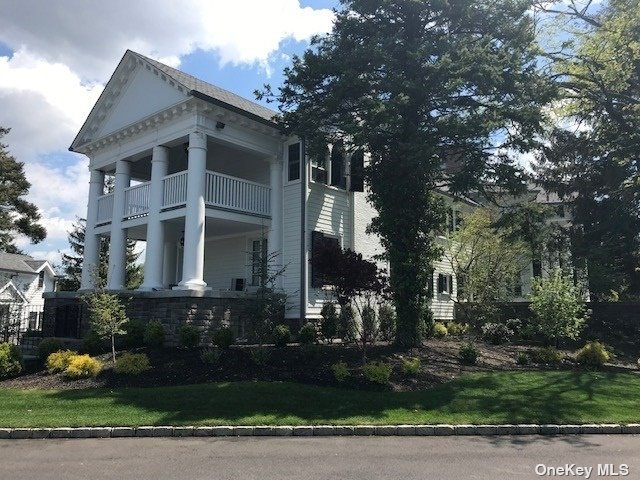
173 308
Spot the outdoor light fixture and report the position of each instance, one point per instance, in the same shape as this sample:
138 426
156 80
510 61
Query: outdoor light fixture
220 126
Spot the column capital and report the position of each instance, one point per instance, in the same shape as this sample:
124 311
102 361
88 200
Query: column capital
276 161
160 154
123 167
198 140
96 176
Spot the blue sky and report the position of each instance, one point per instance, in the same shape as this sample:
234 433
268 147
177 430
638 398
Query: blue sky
54 65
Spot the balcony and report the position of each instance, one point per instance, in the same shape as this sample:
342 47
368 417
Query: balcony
221 192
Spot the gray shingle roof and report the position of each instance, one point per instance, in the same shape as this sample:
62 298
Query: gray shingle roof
19 263
212 92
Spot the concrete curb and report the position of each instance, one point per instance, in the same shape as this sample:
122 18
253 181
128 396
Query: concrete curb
318 430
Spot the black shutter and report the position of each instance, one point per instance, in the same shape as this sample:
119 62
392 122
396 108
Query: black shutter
440 283
357 171
450 284
316 243
337 165
293 162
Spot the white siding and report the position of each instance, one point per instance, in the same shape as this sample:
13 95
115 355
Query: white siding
442 304
225 259
291 247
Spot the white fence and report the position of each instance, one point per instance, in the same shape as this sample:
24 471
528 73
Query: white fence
237 194
105 208
136 200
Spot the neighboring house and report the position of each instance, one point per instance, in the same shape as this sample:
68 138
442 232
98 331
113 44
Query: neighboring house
209 182
23 281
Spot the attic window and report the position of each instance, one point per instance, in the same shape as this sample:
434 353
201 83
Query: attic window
41 279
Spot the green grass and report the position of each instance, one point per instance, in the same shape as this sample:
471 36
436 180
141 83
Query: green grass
510 397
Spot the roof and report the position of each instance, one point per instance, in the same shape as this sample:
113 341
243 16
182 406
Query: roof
212 93
20 263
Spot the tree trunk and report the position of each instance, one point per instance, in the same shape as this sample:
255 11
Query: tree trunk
113 348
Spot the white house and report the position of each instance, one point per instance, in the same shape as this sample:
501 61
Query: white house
23 281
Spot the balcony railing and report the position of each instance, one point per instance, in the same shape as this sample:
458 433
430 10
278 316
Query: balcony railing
221 191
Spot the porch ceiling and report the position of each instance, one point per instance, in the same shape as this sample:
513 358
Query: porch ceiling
214 227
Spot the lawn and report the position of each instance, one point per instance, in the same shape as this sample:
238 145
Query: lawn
509 397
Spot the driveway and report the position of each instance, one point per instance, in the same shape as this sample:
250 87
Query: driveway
442 458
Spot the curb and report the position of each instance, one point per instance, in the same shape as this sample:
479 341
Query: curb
319 430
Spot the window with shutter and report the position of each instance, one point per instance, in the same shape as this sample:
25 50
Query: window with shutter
357 171
337 166
319 167
293 162
320 241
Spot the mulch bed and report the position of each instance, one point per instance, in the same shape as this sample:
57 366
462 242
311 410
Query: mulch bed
311 365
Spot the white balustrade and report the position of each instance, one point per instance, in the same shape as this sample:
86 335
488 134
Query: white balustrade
233 193
175 190
136 201
105 208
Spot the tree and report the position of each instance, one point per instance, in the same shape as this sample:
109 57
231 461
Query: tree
438 93
72 262
17 215
107 316
487 261
593 154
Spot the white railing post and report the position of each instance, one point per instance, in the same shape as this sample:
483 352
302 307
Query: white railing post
154 253
118 244
91 258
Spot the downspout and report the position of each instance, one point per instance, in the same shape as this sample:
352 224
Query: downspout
303 233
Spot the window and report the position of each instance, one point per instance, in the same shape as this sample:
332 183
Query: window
293 162
33 320
319 242
357 171
537 267
319 167
41 279
461 283
454 220
258 262
445 283
338 178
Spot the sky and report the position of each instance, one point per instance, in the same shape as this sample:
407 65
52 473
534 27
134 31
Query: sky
55 58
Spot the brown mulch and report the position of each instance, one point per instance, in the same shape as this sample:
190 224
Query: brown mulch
311 365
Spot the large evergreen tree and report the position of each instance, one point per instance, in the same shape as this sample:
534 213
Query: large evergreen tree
72 262
421 85
17 215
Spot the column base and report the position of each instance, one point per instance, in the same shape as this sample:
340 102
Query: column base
150 288
192 285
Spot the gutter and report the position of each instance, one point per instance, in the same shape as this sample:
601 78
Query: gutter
303 232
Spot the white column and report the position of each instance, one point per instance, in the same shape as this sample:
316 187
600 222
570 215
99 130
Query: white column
91 256
170 259
154 253
274 240
118 245
193 260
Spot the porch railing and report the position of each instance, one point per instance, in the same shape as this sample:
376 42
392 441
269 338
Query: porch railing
136 200
105 208
175 190
233 193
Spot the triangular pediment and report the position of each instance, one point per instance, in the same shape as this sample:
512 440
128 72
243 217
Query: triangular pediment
9 293
135 91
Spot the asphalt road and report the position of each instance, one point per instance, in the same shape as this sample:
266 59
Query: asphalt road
405 458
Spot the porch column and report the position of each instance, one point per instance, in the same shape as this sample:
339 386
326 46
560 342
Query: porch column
170 259
193 261
274 239
154 253
91 255
118 246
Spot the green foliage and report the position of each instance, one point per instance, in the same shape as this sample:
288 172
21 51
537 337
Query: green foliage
260 356
377 372
348 330
210 356
496 333
523 358
59 361
307 334
593 354
189 336
134 336
417 117
10 360
369 325
154 334
107 316
223 337
387 316
281 335
411 366
264 312
93 344
83 366
48 346
340 371
132 364
456 329
17 215
468 354
559 311
546 356
329 324
439 330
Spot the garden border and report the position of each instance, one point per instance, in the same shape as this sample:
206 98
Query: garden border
319 430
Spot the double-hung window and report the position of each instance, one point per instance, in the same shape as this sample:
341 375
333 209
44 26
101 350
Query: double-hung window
259 263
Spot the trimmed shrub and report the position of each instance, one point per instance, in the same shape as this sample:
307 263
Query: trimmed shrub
83 366
496 333
377 372
593 354
369 327
387 316
340 371
132 363
223 337
468 354
347 326
154 334
411 366
10 360
210 356
439 330
456 329
93 344
281 336
189 336
544 356
260 356
48 346
329 324
134 334
307 334
59 361
523 359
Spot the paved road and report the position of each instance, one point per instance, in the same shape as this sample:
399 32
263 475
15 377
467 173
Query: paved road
442 458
